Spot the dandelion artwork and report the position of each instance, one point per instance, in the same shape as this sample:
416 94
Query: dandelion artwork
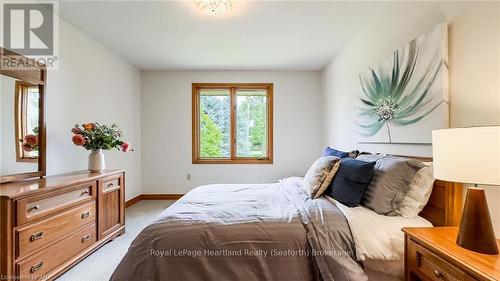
405 97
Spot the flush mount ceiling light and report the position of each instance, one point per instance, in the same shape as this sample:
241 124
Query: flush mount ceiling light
214 7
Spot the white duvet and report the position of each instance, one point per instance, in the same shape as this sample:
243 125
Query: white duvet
378 237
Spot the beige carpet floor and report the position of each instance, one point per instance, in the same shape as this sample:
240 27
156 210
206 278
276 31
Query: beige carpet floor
100 265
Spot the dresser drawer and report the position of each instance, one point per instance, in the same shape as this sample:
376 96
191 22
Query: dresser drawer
111 183
34 236
42 263
32 208
431 267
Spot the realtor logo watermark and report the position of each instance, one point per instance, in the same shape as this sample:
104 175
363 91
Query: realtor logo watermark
30 29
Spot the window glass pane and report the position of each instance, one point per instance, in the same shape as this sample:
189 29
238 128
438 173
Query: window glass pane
32 115
251 123
215 124
32 110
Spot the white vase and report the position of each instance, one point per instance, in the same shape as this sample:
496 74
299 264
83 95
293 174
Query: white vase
96 161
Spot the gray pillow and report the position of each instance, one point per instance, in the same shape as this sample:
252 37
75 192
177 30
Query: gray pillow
419 192
390 182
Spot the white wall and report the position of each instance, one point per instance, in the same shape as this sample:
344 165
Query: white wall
166 109
474 45
92 84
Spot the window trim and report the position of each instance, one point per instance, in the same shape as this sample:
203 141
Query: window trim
196 87
20 116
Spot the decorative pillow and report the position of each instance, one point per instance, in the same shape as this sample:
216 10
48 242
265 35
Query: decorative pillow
341 154
419 193
350 182
319 176
390 182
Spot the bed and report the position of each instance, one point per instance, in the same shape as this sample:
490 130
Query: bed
266 232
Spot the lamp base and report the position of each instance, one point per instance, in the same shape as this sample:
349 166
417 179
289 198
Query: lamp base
476 230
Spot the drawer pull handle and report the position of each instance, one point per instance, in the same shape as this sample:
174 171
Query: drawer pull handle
37 236
110 185
36 207
36 267
86 192
85 214
85 238
437 274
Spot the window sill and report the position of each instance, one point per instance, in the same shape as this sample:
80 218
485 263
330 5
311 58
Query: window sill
27 160
233 161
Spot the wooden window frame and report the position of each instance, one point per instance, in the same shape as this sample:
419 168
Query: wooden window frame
20 117
232 87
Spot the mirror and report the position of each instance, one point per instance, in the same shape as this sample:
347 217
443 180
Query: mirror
22 135
19 126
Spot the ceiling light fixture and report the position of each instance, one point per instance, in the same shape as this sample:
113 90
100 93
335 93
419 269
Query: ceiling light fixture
214 7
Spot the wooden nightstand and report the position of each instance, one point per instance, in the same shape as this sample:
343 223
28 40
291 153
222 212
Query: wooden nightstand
432 254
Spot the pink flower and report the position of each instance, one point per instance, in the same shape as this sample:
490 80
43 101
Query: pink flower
125 146
31 139
76 131
78 140
27 147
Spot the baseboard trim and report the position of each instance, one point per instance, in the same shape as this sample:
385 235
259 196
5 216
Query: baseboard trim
152 197
132 201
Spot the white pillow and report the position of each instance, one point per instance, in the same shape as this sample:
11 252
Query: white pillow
419 192
319 175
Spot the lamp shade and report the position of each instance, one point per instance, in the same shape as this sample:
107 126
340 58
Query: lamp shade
467 155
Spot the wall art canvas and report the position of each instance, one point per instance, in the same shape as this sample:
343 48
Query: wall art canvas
404 97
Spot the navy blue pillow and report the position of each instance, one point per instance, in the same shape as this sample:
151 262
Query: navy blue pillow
333 152
350 182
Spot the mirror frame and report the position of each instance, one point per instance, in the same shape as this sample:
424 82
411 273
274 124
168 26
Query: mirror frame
35 73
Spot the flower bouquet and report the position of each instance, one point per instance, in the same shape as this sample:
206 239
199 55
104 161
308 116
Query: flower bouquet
30 141
96 138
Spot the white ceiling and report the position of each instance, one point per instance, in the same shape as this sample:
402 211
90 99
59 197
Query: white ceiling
272 35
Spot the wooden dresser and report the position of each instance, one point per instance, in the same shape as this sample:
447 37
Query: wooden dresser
432 254
50 224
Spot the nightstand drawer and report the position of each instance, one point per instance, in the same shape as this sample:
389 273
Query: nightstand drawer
429 266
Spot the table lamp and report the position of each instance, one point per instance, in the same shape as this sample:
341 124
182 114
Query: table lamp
470 156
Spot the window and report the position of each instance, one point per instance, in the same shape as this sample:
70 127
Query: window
27 97
233 123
